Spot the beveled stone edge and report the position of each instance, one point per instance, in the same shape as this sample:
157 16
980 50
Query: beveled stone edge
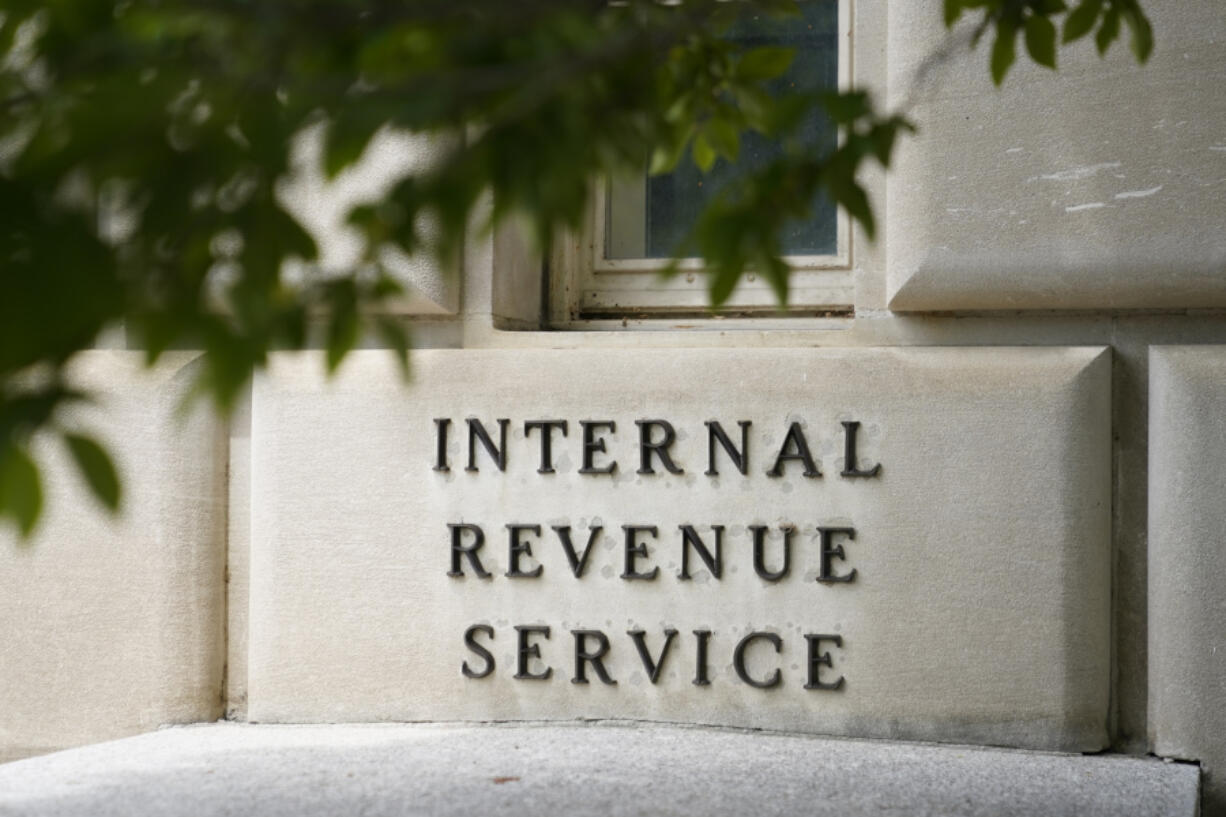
1170 724
202 699
944 288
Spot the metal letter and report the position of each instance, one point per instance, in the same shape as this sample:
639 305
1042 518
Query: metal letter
827 553
700 658
470 641
850 427
759 552
459 549
738 660
635 549
577 563
593 445
526 651
739 458
584 657
516 548
653 666
660 449
690 538
795 440
440 462
547 428
818 659
498 453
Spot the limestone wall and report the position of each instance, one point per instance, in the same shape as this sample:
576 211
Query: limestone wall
1034 353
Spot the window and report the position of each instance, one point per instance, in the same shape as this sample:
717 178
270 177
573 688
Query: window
637 222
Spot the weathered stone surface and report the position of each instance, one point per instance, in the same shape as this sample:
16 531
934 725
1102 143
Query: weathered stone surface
1187 563
1097 187
576 770
979 611
111 626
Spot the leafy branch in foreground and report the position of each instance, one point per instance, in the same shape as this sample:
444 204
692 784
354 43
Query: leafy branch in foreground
1034 20
143 145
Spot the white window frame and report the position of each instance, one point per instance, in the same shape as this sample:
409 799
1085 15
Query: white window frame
588 290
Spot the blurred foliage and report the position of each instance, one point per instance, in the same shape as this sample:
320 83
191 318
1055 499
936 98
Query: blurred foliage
142 142
1035 21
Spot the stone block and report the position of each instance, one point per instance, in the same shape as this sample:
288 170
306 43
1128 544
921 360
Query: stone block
959 593
1100 186
114 625
1187 563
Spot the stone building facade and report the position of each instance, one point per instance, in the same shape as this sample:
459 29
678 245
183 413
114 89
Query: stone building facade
1033 350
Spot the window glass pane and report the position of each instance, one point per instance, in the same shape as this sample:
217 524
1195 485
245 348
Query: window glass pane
649 217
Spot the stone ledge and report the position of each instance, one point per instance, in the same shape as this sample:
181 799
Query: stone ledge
578 769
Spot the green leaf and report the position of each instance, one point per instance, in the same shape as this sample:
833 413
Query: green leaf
344 323
679 110
95 465
346 140
392 333
1048 7
776 272
1041 40
722 281
755 103
788 112
1004 51
704 154
21 495
1108 31
846 107
780 8
1082 19
665 157
724 137
882 138
848 193
953 10
764 63
1142 33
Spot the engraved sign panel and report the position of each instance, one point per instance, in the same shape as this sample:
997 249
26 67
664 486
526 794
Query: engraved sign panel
908 543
